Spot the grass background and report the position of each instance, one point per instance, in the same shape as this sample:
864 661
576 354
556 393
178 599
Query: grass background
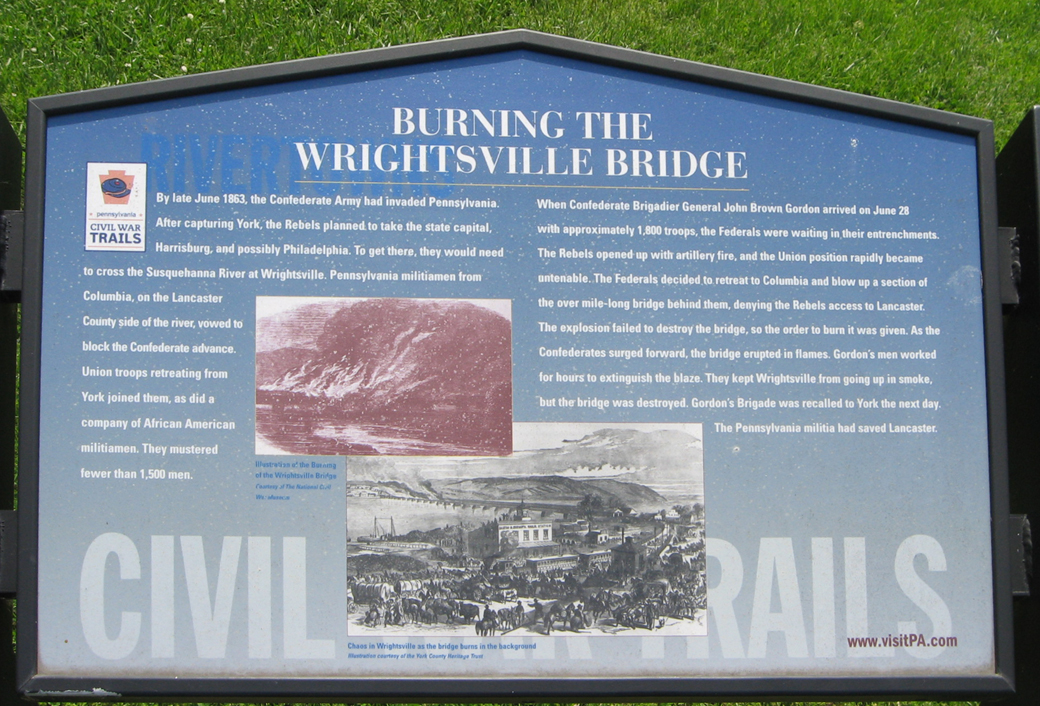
977 58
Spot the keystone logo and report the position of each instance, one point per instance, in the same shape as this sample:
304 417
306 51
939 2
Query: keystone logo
116 186
115 205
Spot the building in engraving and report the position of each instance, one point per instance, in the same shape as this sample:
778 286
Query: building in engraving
524 532
628 558
518 536
597 559
546 564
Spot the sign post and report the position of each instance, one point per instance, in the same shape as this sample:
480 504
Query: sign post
510 365
10 200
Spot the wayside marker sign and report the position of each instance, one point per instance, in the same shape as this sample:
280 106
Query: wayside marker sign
509 365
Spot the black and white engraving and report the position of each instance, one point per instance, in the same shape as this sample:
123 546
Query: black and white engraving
586 529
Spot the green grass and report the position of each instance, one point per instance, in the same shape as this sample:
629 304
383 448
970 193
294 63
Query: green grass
980 59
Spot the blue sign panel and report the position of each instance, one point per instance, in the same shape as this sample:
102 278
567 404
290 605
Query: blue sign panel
511 366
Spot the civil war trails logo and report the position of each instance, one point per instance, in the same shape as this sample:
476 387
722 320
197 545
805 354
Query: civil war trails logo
116 205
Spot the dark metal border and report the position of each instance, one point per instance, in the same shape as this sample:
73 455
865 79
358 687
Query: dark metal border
1001 682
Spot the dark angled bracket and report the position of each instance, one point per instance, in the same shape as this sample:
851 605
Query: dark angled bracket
1021 538
12 233
1010 265
1018 205
8 553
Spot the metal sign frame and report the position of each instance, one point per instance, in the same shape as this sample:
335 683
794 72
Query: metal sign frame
47 687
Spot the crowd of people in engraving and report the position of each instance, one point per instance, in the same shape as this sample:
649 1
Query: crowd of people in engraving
493 603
